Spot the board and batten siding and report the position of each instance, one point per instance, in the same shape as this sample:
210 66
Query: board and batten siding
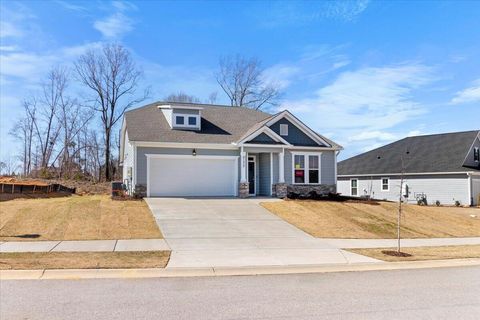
143 151
264 174
445 188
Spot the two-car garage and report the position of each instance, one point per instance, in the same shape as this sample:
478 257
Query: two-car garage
188 175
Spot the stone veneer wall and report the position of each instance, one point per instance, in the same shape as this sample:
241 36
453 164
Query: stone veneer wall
309 191
243 190
140 191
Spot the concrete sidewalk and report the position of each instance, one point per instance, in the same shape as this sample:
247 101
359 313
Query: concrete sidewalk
391 243
85 246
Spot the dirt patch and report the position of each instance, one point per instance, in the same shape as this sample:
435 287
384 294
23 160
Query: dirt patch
354 220
83 260
422 253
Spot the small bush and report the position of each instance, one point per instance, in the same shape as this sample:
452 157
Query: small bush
422 202
437 203
457 203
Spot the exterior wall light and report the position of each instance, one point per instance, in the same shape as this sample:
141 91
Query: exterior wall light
194 152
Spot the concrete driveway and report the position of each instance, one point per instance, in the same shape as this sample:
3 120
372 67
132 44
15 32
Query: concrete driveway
231 232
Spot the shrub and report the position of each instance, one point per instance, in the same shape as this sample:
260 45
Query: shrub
422 202
437 203
457 203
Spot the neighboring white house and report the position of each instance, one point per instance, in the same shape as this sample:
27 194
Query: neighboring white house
185 149
440 167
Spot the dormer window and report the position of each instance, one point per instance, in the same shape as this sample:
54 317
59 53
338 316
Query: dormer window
186 121
476 154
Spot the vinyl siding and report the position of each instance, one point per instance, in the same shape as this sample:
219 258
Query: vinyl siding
445 188
295 135
264 174
143 151
327 166
128 158
262 138
476 190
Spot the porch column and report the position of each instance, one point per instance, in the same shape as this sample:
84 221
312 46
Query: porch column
242 166
281 166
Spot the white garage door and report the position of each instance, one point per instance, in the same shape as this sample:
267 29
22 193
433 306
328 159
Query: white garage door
172 176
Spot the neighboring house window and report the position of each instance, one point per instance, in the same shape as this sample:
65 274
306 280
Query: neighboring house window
306 168
354 187
385 184
284 129
476 154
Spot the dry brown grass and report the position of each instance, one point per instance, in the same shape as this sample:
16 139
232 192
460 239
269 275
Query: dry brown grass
76 218
424 253
83 260
328 219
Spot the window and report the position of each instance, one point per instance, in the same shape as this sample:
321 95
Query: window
179 120
385 184
284 129
186 121
354 187
306 168
299 169
313 169
476 154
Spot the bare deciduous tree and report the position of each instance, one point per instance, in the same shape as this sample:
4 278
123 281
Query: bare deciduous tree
113 77
212 98
23 131
181 97
241 80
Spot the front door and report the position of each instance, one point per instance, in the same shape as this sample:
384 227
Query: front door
251 175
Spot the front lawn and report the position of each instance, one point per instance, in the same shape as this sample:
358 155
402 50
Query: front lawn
354 220
83 260
423 253
76 218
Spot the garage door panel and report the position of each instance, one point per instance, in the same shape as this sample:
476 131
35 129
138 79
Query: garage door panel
192 177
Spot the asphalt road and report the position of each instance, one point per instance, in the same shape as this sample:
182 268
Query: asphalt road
446 293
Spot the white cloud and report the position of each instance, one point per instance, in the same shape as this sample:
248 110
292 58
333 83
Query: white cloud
345 10
118 23
373 135
470 94
280 75
8 29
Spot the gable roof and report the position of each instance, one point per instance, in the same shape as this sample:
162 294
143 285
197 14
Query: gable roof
430 153
220 124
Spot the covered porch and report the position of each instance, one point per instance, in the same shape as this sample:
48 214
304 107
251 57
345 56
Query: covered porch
262 171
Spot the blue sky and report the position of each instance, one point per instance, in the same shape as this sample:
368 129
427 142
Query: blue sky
363 73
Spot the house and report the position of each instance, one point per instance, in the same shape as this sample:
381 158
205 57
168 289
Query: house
439 167
185 149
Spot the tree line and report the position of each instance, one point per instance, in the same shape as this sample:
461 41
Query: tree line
70 136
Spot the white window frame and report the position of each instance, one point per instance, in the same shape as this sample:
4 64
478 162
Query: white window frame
388 184
306 167
350 187
476 150
185 122
284 129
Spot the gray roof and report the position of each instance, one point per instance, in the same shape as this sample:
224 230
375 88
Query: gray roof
430 153
220 124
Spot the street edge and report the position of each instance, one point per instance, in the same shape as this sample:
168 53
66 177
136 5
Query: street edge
77 274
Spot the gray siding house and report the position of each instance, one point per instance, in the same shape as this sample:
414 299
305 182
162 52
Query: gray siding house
439 167
184 149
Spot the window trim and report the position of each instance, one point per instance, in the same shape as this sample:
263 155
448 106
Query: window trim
185 120
284 132
388 184
350 187
476 154
306 167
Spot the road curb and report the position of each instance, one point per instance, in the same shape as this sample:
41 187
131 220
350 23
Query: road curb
77 274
